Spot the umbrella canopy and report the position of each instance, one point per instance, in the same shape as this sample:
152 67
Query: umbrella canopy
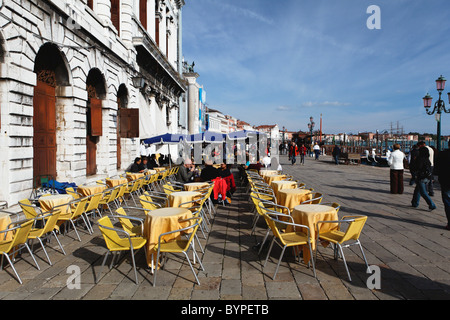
237 135
166 139
208 137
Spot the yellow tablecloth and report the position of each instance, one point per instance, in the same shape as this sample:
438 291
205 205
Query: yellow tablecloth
159 169
115 182
5 220
309 215
49 202
160 221
264 173
134 176
91 189
283 185
292 197
273 177
177 198
150 172
195 186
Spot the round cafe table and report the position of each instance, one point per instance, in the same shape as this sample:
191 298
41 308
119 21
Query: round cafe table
292 197
87 190
47 203
274 177
264 173
309 215
160 221
115 182
283 185
179 197
134 176
159 169
193 186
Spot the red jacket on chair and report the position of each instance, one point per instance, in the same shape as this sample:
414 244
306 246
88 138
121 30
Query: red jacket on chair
220 187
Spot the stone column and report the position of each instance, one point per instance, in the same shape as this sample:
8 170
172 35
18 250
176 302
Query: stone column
192 101
104 10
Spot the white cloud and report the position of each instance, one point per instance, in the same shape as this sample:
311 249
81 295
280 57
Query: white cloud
283 108
311 104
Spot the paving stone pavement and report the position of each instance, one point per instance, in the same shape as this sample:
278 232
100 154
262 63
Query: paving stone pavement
409 245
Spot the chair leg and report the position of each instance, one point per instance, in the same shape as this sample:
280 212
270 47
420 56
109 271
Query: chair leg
134 266
264 241
279 262
101 267
59 243
268 252
312 260
192 267
32 255
364 256
45 251
75 228
14 269
345 262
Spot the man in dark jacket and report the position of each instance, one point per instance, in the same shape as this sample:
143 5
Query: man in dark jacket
336 153
185 172
209 172
442 170
136 166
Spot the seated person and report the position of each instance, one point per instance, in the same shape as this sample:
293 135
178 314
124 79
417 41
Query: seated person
186 172
253 166
229 178
209 172
152 163
135 167
143 165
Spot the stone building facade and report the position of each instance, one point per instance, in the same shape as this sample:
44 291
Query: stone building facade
81 83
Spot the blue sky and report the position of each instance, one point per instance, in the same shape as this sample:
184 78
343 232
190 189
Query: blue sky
267 62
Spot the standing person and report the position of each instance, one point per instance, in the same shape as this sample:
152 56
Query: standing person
442 170
413 154
289 150
294 153
336 154
429 185
422 167
395 161
303 151
316 149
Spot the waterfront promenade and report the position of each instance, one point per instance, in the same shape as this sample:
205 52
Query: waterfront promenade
410 246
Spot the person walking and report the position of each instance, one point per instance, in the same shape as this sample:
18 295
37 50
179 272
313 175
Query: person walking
430 183
316 149
413 154
442 170
303 152
294 153
336 154
395 162
422 167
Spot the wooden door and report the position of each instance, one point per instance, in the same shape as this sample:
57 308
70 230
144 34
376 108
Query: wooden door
119 146
44 127
94 130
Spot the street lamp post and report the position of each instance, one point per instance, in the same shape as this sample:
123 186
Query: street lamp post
439 107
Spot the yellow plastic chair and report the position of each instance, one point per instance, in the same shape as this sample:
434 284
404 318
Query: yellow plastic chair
278 212
116 244
132 189
49 227
180 245
148 204
29 210
8 249
335 205
317 198
73 193
340 238
288 239
109 196
92 207
127 225
77 209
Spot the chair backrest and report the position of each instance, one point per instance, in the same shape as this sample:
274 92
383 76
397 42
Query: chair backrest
126 223
78 206
72 192
336 205
28 209
354 228
50 217
112 239
110 194
21 234
93 202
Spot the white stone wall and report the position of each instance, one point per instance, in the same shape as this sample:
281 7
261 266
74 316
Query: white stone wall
25 26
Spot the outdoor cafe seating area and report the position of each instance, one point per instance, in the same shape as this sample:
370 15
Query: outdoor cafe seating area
297 217
173 219
172 215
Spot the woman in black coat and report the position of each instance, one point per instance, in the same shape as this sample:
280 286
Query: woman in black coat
422 167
